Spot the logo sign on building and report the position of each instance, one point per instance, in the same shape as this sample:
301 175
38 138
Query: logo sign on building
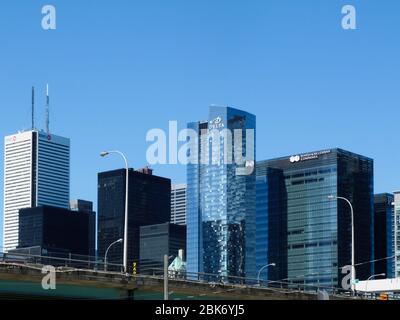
308 156
294 159
216 123
11 139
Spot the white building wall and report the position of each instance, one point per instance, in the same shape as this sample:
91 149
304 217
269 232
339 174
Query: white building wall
178 204
18 150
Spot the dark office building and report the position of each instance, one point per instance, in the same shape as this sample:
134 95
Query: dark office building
302 231
149 203
384 242
271 227
57 231
81 205
157 241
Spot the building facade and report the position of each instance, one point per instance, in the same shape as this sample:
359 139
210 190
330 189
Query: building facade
178 204
81 205
305 233
271 228
36 172
384 234
221 194
397 232
149 203
159 240
58 231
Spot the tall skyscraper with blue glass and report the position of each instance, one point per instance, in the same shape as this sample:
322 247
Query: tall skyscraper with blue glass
306 234
384 234
221 194
397 232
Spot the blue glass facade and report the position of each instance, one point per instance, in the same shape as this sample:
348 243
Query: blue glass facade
271 223
220 200
292 196
384 229
397 232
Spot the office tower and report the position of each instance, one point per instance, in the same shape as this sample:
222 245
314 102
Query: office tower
57 232
149 203
36 172
271 228
384 234
178 204
221 195
159 240
397 232
81 205
307 231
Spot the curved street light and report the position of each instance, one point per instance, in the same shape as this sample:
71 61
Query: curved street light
125 254
105 256
332 197
264 267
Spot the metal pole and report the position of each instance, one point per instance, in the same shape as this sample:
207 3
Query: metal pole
126 218
353 276
166 294
125 254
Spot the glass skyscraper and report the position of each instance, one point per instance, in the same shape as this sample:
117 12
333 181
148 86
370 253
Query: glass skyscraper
397 232
384 234
221 194
302 231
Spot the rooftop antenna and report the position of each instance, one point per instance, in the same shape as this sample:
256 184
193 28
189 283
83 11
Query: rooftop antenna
47 110
33 108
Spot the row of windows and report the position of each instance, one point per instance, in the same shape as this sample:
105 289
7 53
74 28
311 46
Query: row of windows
18 154
307 181
311 173
312 245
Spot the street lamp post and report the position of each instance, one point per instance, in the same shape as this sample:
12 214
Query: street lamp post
105 256
125 254
266 266
352 239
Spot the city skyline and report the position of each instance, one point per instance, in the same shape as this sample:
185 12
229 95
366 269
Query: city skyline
99 91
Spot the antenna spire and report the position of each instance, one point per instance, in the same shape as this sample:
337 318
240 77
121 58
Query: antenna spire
47 110
33 108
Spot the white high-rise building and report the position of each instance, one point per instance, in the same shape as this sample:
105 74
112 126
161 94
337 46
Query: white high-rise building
36 172
178 204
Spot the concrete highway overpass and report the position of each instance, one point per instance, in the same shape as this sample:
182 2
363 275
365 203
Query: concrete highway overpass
22 281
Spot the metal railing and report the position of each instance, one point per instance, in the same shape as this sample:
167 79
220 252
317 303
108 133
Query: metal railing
220 282
282 286
59 260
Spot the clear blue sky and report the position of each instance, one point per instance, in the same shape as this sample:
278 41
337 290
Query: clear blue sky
119 68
